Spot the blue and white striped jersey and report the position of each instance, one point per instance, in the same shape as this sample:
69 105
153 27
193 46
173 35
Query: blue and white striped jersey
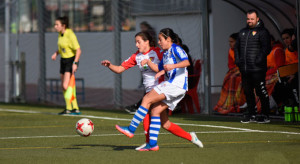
178 76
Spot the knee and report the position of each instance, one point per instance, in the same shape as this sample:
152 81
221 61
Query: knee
166 125
147 100
155 112
65 86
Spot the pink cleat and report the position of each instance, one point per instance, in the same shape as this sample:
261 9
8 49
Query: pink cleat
125 130
149 148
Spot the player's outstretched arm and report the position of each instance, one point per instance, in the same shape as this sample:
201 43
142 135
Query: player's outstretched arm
114 68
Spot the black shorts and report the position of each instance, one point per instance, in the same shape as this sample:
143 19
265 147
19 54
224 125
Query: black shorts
66 64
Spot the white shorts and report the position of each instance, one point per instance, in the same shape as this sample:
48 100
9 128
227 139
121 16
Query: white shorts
172 92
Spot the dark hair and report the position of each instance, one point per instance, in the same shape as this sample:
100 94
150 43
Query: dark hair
167 32
146 36
185 48
178 40
288 31
252 11
144 23
64 21
234 36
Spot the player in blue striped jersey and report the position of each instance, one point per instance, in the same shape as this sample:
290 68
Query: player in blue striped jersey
166 94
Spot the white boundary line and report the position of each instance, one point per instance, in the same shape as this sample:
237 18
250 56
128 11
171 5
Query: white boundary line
122 119
85 116
104 135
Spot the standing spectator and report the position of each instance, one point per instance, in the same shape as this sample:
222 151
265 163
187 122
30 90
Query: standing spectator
232 95
251 50
69 50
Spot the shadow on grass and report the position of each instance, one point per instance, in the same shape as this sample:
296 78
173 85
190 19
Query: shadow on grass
114 147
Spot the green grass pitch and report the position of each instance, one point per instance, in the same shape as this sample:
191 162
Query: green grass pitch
35 134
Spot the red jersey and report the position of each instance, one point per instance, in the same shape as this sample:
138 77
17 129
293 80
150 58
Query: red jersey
155 55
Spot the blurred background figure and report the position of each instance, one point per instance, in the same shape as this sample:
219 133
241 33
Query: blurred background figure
286 92
232 95
146 27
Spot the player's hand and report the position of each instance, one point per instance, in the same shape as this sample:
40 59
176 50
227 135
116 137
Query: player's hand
168 67
159 74
53 57
74 68
143 62
105 63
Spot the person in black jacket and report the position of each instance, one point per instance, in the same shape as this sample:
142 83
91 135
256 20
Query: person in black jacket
251 50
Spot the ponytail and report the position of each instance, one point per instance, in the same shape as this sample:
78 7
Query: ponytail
167 32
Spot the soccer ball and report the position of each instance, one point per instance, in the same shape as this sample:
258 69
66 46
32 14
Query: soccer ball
84 127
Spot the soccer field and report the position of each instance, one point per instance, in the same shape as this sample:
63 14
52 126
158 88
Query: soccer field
32 134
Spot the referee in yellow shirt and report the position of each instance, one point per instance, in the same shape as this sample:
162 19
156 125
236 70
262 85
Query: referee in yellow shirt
69 49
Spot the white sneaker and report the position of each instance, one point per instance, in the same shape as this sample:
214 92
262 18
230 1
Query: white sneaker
195 140
142 146
244 106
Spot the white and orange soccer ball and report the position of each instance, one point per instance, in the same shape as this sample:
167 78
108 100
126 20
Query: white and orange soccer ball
84 127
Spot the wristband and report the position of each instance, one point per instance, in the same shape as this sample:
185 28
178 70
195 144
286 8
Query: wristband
77 63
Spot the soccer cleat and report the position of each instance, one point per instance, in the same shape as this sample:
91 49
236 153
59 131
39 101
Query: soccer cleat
248 119
65 112
125 130
149 148
131 109
138 148
263 120
195 140
75 112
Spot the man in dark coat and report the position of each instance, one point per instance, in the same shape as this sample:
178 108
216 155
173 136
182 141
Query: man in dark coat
251 50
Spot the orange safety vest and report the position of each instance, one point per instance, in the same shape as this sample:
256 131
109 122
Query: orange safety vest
271 61
291 57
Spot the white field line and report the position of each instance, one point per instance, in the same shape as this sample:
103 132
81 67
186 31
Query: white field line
122 119
104 135
85 116
216 126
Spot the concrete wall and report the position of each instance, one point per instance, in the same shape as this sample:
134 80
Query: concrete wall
95 48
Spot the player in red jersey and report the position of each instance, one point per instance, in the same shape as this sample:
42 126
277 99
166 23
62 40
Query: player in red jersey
147 51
